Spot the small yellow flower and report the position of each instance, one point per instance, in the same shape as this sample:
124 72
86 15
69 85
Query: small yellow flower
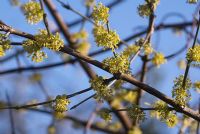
61 103
33 12
158 59
147 49
193 54
80 35
135 113
53 42
42 39
4 44
38 56
182 64
131 50
2 53
163 113
83 47
117 64
89 3
197 85
102 90
192 1
180 93
144 10
51 129
171 120
36 77
105 114
148 7
100 13
135 130
104 38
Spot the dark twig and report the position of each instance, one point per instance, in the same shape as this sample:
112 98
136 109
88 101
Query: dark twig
75 106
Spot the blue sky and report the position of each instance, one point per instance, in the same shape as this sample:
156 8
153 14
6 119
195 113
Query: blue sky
68 79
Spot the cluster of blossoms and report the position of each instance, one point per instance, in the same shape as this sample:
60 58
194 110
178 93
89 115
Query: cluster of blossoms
33 12
105 114
4 44
193 54
158 59
51 129
135 113
148 7
163 113
147 47
117 64
36 77
180 93
192 1
123 96
61 103
82 45
102 90
89 3
42 39
105 38
112 126
182 64
100 13
131 50
135 130
197 85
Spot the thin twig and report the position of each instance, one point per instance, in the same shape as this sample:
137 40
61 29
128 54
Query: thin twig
75 106
189 61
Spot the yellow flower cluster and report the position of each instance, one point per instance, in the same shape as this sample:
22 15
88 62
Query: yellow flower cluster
148 7
33 12
117 64
113 126
42 39
182 64
135 113
102 90
105 38
61 103
51 129
193 54
131 50
89 3
80 35
4 44
158 59
147 49
105 114
82 46
180 93
163 113
197 85
100 13
135 130
36 77
192 1
50 41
